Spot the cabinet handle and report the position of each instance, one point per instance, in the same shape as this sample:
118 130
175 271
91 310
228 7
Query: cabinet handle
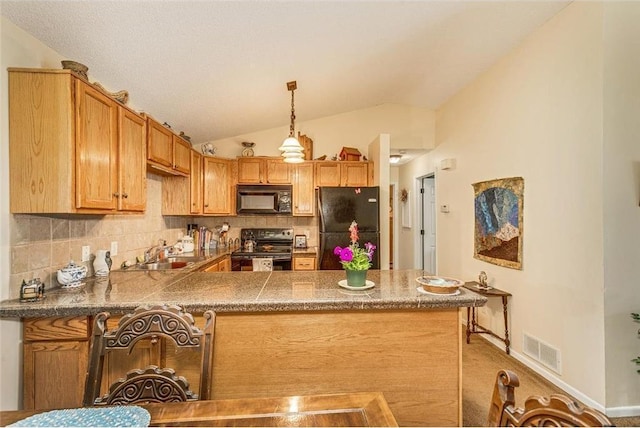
205 205
117 195
125 195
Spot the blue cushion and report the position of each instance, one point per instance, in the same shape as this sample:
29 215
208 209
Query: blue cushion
118 416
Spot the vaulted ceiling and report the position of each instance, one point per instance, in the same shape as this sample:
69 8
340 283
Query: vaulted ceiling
217 69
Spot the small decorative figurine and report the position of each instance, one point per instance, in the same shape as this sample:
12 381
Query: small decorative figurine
31 291
482 279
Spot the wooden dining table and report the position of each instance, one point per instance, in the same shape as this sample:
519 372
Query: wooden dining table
354 409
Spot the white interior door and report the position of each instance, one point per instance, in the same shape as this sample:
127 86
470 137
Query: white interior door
428 228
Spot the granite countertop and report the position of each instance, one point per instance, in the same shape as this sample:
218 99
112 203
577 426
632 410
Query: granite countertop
123 291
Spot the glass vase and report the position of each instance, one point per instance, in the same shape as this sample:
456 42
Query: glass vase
356 278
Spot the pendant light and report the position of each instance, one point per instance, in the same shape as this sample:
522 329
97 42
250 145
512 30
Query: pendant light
291 148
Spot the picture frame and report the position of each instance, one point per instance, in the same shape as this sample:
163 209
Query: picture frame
300 241
498 212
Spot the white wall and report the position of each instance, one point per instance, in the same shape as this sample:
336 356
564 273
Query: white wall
409 128
19 49
540 113
621 201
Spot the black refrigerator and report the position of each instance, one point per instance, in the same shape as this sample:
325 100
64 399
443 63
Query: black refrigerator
338 207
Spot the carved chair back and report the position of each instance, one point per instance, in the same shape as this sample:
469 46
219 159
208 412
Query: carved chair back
150 384
557 410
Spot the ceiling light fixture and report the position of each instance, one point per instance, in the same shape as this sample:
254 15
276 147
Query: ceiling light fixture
291 148
395 158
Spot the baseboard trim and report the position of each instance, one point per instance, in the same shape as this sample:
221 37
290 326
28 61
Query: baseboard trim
623 412
553 379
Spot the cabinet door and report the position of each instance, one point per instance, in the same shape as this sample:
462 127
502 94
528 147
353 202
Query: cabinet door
181 155
96 148
159 144
250 170
214 267
225 264
304 263
132 161
54 374
354 174
303 190
327 173
277 171
196 183
217 186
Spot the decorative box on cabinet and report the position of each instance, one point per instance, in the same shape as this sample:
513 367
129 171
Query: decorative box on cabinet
73 149
167 154
263 170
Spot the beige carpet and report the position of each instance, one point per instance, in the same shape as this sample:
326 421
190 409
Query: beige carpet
481 361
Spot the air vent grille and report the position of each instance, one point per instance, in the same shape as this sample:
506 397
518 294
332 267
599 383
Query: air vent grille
543 353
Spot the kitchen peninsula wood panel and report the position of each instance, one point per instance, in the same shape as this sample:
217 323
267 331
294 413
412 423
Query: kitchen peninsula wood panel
412 357
64 140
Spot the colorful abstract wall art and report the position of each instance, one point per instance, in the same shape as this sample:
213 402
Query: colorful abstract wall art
498 221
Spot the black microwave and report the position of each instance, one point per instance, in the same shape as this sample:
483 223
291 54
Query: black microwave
265 199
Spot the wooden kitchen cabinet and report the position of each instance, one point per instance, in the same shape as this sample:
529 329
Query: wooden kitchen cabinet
219 186
166 152
56 353
343 173
183 195
132 153
303 189
304 263
72 147
195 181
223 264
263 170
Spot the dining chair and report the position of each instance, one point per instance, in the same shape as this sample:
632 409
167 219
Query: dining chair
557 410
151 384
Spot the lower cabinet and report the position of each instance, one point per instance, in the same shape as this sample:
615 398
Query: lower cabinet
222 264
56 352
304 263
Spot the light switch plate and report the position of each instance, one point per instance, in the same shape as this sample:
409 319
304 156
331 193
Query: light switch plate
114 248
86 253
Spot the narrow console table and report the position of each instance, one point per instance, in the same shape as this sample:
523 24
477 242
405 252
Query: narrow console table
472 321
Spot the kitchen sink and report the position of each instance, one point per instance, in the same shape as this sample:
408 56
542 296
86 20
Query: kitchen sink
169 263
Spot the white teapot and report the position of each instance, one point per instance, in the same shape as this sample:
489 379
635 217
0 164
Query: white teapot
72 275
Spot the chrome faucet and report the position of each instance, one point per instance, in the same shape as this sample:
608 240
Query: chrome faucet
153 253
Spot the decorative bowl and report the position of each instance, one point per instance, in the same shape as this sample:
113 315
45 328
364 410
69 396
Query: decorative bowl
439 284
72 275
76 67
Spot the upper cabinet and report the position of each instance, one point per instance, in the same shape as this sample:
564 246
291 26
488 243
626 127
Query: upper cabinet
219 177
343 173
72 148
303 189
263 170
167 154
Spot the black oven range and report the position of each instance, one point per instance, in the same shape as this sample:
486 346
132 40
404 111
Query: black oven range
272 243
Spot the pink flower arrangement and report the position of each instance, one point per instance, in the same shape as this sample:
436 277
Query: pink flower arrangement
355 257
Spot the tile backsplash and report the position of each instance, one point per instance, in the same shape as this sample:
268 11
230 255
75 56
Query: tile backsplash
42 244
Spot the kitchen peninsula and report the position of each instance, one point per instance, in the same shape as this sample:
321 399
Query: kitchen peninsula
276 334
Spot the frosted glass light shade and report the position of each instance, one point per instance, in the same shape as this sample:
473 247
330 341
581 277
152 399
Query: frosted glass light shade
290 144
